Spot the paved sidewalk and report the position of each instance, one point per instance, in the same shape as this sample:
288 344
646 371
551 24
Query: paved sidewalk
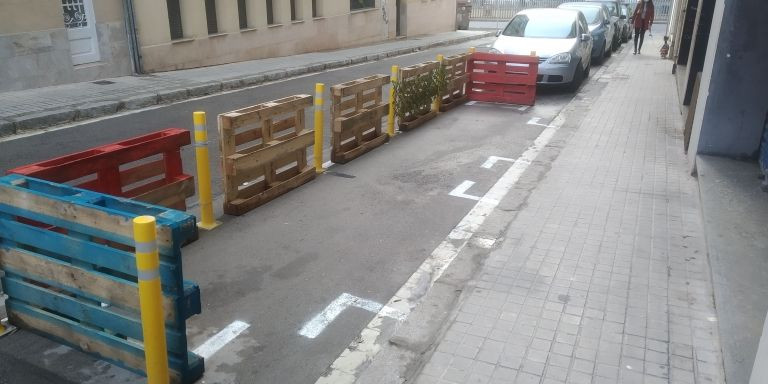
33 109
603 276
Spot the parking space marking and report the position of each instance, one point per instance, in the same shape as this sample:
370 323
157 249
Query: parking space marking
535 121
492 160
317 325
348 364
219 340
463 187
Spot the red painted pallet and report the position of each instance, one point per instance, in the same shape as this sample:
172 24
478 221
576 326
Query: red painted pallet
146 168
501 78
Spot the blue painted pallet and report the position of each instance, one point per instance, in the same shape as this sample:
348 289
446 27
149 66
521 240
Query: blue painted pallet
70 271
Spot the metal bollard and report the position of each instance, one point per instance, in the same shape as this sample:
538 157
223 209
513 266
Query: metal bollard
207 220
391 116
150 299
318 148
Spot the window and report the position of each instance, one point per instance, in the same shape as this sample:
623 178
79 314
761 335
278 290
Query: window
210 16
174 19
295 12
551 27
242 14
270 13
361 4
315 12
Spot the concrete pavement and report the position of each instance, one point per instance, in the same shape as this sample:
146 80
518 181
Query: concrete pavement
34 109
602 274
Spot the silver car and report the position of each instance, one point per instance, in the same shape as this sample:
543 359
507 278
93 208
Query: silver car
561 39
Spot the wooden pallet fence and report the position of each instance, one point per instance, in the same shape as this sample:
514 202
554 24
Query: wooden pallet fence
146 168
457 78
415 94
498 78
70 271
356 111
264 152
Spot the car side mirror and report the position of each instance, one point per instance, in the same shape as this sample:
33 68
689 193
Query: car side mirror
586 37
498 33
623 17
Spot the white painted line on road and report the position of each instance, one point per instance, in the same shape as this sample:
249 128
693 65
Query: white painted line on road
535 121
463 187
317 325
492 160
483 242
471 102
219 340
523 108
327 164
350 362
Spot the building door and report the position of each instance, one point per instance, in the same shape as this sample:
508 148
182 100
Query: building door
399 18
81 30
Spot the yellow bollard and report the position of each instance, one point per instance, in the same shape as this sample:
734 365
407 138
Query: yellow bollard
471 49
150 300
207 221
439 98
391 116
318 148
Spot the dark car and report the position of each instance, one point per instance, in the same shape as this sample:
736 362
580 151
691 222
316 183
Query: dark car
626 33
600 27
619 22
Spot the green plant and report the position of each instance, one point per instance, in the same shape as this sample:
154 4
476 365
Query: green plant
414 96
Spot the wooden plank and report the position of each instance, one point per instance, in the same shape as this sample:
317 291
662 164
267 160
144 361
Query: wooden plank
512 79
141 172
241 206
418 69
265 155
94 314
82 250
361 149
352 87
112 348
169 194
367 117
86 216
228 147
353 103
248 135
265 111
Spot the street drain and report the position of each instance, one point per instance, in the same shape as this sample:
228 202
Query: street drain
102 82
339 174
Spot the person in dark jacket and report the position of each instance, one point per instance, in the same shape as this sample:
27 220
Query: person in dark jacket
642 19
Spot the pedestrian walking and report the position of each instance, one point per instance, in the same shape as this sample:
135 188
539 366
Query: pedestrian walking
642 20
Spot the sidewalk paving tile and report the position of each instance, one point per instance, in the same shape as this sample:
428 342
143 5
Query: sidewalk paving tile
603 276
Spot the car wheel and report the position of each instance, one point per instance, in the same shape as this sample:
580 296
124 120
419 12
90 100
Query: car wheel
607 52
578 78
625 36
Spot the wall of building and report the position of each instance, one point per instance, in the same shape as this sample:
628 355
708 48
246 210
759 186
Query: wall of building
34 47
431 16
732 104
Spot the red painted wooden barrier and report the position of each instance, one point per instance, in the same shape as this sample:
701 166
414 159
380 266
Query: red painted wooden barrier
501 78
146 168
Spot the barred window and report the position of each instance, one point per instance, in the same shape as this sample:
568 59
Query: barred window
361 4
174 19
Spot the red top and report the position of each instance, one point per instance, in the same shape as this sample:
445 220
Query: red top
641 9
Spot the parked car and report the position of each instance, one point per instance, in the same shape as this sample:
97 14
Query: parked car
626 12
600 26
561 39
614 6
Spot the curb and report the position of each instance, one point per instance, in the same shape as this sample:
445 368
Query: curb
11 125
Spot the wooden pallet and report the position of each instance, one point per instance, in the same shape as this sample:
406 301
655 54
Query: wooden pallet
411 73
356 111
497 78
457 77
65 251
264 152
146 168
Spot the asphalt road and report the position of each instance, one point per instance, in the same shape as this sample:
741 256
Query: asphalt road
361 229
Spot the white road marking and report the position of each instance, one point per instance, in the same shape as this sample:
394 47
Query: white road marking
317 325
327 164
483 242
471 102
535 121
492 160
463 187
523 108
219 340
346 366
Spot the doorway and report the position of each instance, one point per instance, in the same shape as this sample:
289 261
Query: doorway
81 30
400 14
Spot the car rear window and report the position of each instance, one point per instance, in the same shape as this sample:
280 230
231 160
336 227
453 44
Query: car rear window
542 26
592 14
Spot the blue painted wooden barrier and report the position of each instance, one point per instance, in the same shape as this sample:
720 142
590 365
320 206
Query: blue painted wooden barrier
70 271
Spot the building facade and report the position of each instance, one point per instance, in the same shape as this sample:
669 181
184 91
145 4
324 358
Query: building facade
48 42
